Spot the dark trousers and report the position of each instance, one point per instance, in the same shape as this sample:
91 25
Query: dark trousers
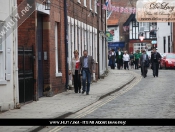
126 65
144 70
155 66
119 63
136 63
77 81
112 66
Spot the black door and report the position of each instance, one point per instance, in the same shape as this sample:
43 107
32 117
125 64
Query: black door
25 72
40 53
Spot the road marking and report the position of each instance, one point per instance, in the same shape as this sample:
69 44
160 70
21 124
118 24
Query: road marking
106 100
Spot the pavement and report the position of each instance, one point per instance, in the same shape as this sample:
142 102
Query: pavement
67 103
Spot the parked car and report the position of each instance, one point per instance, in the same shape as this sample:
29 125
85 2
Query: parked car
168 61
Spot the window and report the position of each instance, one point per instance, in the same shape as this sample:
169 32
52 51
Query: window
90 4
58 73
2 62
95 6
144 25
85 3
3 74
79 1
164 44
168 44
139 46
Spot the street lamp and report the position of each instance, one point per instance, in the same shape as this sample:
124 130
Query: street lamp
47 5
141 37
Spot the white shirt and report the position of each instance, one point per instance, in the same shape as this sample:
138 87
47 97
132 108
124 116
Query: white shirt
126 57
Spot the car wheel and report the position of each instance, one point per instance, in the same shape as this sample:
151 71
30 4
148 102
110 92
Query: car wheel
165 66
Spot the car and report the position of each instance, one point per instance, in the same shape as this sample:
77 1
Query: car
168 61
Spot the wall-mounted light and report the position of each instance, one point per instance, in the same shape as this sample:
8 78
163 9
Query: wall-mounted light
47 5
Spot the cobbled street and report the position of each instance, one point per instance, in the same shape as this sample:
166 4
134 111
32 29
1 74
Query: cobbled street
149 98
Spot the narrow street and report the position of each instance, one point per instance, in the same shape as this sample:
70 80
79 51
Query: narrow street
145 98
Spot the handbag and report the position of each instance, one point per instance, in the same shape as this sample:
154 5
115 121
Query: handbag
146 63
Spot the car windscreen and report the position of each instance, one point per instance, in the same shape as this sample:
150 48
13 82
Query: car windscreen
171 56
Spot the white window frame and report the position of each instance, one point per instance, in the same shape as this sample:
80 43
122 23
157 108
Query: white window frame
76 39
3 62
90 4
85 37
95 6
82 39
95 46
85 3
69 38
145 25
79 38
79 1
58 74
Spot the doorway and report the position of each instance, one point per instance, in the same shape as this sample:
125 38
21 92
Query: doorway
40 54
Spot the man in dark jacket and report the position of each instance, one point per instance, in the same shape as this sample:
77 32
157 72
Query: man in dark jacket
119 58
155 60
143 61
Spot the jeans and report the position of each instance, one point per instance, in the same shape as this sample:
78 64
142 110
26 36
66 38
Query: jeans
86 76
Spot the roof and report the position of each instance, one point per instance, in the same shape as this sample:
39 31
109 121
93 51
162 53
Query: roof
131 18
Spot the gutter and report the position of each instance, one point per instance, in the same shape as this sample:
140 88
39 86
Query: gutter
66 43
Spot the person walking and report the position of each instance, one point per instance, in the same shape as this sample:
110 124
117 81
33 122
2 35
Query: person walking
113 59
126 59
144 63
155 59
74 70
109 58
136 59
119 59
132 60
86 68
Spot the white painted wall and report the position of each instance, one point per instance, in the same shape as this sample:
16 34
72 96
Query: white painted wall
116 33
9 96
164 30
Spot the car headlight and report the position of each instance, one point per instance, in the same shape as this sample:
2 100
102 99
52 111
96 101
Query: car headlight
169 62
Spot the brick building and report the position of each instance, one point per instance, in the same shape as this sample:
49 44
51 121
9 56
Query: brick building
86 31
121 18
42 57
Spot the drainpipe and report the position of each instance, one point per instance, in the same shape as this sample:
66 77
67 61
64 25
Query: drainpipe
66 43
98 43
15 63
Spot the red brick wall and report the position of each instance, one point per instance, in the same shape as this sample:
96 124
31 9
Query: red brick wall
27 36
80 12
57 83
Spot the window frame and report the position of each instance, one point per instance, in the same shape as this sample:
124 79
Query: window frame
90 4
95 6
85 5
57 73
3 80
79 1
